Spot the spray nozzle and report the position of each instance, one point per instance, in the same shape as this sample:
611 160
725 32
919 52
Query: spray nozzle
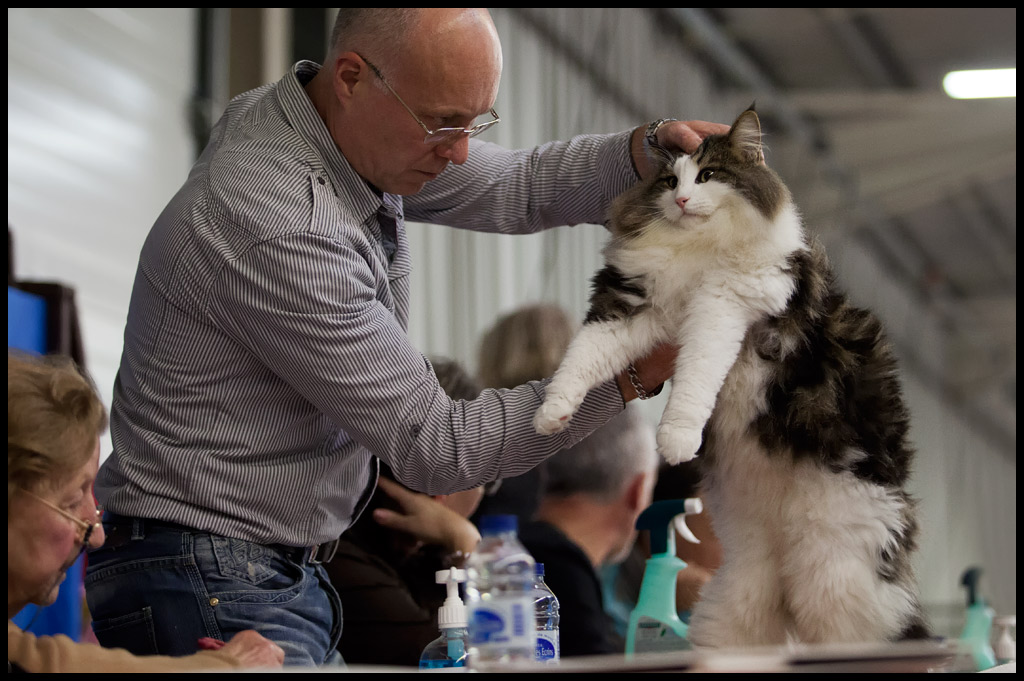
679 522
453 613
661 516
970 580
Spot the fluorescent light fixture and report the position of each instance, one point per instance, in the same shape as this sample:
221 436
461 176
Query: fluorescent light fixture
981 84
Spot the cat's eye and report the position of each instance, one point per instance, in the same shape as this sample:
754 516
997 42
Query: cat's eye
671 180
705 175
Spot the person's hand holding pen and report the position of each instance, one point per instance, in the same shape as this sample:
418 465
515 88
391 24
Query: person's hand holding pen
249 648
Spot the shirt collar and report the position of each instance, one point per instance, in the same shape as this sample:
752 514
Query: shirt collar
303 116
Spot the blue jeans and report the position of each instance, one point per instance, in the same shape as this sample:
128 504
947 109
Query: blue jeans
156 588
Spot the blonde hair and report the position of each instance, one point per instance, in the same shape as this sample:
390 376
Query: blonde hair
53 419
525 345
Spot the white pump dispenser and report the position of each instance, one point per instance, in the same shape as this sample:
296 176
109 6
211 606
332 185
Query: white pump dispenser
453 613
449 649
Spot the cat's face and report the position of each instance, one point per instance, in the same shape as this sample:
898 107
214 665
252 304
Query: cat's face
687 191
726 176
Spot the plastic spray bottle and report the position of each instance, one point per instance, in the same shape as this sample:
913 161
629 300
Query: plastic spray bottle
977 632
654 625
449 649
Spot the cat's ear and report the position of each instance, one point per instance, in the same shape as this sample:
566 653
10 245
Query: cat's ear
745 137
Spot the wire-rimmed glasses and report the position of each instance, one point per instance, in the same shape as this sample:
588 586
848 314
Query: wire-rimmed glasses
86 527
440 135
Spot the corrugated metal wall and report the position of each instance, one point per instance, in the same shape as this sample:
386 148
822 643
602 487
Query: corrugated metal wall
98 140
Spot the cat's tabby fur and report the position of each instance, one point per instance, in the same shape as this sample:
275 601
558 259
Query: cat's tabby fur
790 393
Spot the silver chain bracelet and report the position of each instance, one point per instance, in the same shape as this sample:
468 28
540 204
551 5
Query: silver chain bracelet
634 379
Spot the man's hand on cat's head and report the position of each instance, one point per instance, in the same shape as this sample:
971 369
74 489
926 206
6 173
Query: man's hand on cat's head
687 135
674 136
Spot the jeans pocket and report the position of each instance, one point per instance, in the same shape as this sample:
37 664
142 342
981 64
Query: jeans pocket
242 560
134 632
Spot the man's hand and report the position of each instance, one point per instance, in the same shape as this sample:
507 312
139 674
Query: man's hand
652 371
683 136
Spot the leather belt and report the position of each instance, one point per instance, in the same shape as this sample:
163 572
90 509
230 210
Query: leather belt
318 554
119 531
323 553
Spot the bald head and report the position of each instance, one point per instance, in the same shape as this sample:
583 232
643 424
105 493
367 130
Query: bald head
453 53
417 34
386 28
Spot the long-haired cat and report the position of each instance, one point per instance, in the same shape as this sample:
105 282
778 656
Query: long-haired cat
790 393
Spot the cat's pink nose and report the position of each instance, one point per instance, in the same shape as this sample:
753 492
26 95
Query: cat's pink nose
681 202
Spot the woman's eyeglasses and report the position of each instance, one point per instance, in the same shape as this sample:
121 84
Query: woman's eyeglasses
86 527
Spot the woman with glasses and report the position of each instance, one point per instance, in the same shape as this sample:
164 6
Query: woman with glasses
54 420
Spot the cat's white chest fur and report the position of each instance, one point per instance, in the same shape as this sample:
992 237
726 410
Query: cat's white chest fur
712 256
705 281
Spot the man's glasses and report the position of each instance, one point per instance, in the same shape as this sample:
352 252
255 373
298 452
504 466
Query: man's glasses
441 135
88 528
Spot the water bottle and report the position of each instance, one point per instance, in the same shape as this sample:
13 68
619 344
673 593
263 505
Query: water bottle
499 595
545 607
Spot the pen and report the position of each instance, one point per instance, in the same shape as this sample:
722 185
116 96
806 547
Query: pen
207 643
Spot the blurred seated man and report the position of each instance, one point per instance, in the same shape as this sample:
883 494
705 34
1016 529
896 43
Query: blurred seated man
586 518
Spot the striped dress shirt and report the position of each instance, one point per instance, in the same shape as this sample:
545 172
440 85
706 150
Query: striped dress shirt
266 359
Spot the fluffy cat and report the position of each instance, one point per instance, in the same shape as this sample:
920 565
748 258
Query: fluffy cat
790 393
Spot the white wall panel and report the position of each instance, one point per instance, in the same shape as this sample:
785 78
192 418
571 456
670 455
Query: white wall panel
97 142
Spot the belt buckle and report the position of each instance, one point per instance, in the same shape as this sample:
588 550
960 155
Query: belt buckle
328 549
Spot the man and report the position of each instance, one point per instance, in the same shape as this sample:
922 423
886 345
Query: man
586 519
266 361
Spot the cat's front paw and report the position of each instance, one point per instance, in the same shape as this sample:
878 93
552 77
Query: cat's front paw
553 416
678 445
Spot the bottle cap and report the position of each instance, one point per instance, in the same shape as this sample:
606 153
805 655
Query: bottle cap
539 569
496 524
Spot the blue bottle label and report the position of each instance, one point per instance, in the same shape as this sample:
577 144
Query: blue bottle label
547 646
503 621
